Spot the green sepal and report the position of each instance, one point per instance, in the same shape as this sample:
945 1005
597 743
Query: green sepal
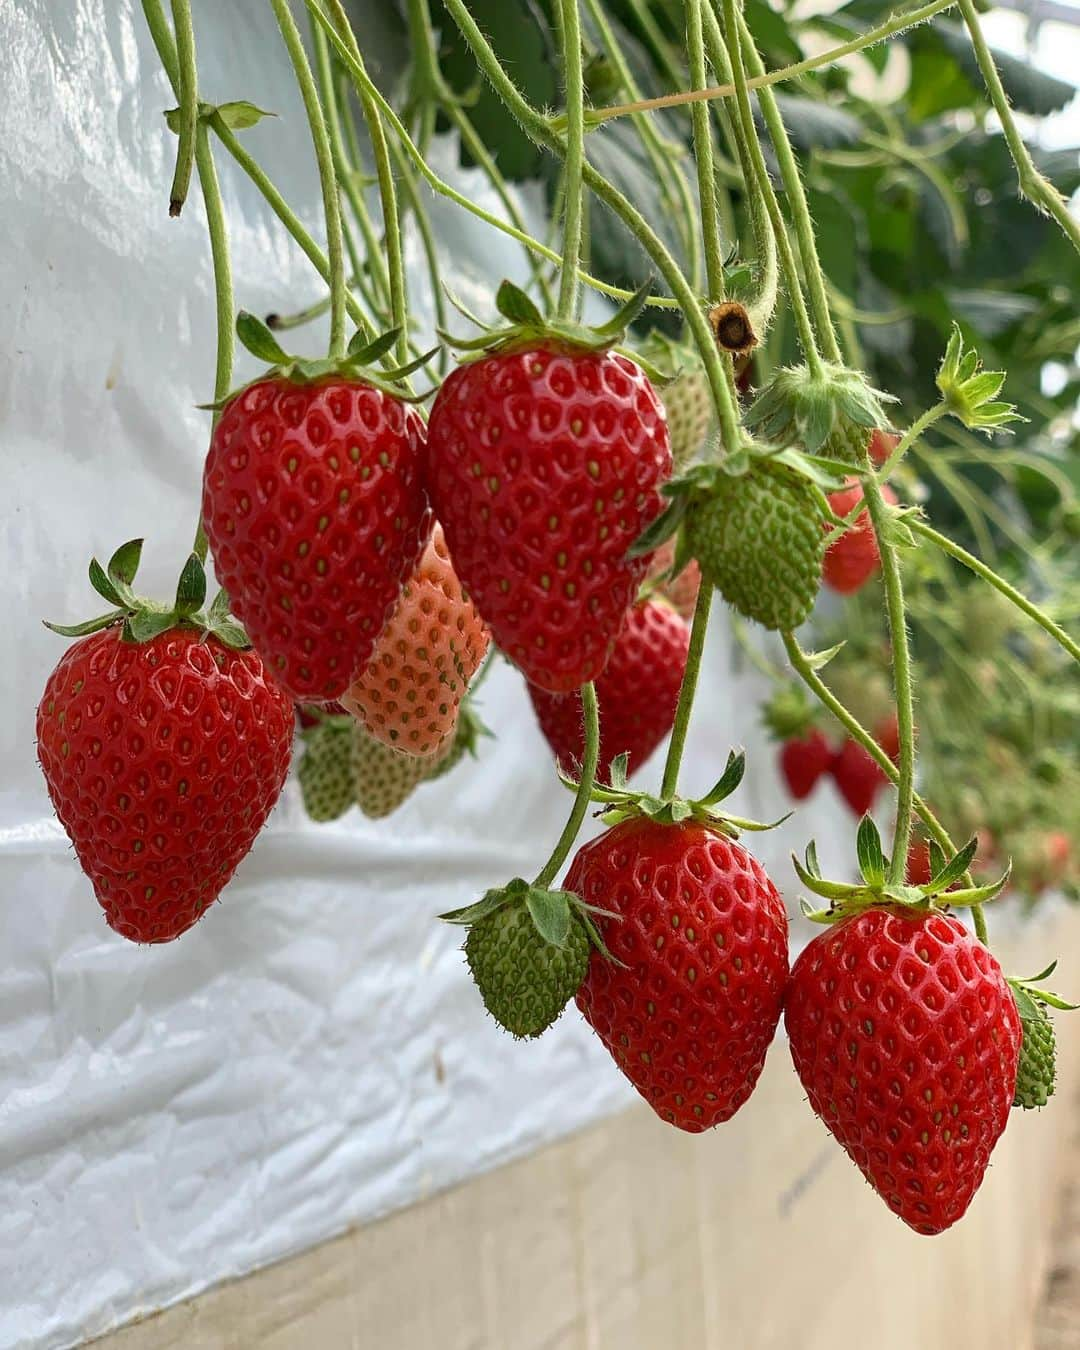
517 307
943 877
76 630
238 115
124 563
365 350
105 587
190 589
550 911
969 392
259 340
871 856
145 624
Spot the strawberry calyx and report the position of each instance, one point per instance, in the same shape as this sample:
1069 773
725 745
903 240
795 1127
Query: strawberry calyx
552 912
357 365
1028 992
527 327
834 411
141 619
619 802
845 899
702 481
789 713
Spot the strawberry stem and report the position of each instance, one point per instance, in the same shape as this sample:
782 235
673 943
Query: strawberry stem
686 692
703 156
574 84
324 158
583 794
188 96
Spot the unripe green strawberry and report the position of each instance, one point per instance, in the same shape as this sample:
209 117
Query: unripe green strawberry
383 777
758 538
524 980
325 770
1037 1069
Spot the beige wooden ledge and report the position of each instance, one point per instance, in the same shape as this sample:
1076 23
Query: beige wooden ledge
631 1236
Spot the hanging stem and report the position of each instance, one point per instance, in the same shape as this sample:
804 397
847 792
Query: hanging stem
899 23
324 157
909 438
920 527
188 94
583 795
902 677
384 171
740 36
686 692
703 155
574 82
764 186
1033 185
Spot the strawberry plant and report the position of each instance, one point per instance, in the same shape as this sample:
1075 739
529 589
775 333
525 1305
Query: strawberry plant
783 407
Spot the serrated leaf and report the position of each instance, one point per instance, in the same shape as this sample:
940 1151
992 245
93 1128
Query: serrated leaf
240 114
259 340
191 588
124 563
550 911
871 857
732 776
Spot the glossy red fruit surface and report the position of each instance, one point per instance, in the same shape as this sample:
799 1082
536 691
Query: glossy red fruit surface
853 558
906 1037
690 1014
918 872
803 760
544 467
858 777
636 695
315 507
163 760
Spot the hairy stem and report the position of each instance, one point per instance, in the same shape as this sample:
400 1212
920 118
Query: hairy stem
324 158
188 94
583 795
574 84
703 155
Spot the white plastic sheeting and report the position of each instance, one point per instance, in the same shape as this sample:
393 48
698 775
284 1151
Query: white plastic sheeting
312 1054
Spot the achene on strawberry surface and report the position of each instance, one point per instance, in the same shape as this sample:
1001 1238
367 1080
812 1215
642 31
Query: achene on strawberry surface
906 1037
314 504
690 1012
545 464
163 760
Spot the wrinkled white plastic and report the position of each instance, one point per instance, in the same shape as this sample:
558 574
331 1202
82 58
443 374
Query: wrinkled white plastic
312 1054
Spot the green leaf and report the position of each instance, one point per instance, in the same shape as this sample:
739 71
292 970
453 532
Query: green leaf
259 340
124 563
871 858
105 587
728 781
517 307
240 114
811 123
148 623
550 911
1029 89
191 588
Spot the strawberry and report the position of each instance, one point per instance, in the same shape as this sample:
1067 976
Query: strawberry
681 592
383 777
701 938
410 692
919 868
906 1037
545 464
314 505
853 558
758 538
858 776
325 769
636 694
803 759
1036 1073
163 760
881 446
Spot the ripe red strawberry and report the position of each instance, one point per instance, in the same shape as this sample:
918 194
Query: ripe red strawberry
702 936
803 759
409 693
857 776
906 1038
163 760
681 592
853 558
545 465
314 504
918 872
887 735
636 694
881 446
